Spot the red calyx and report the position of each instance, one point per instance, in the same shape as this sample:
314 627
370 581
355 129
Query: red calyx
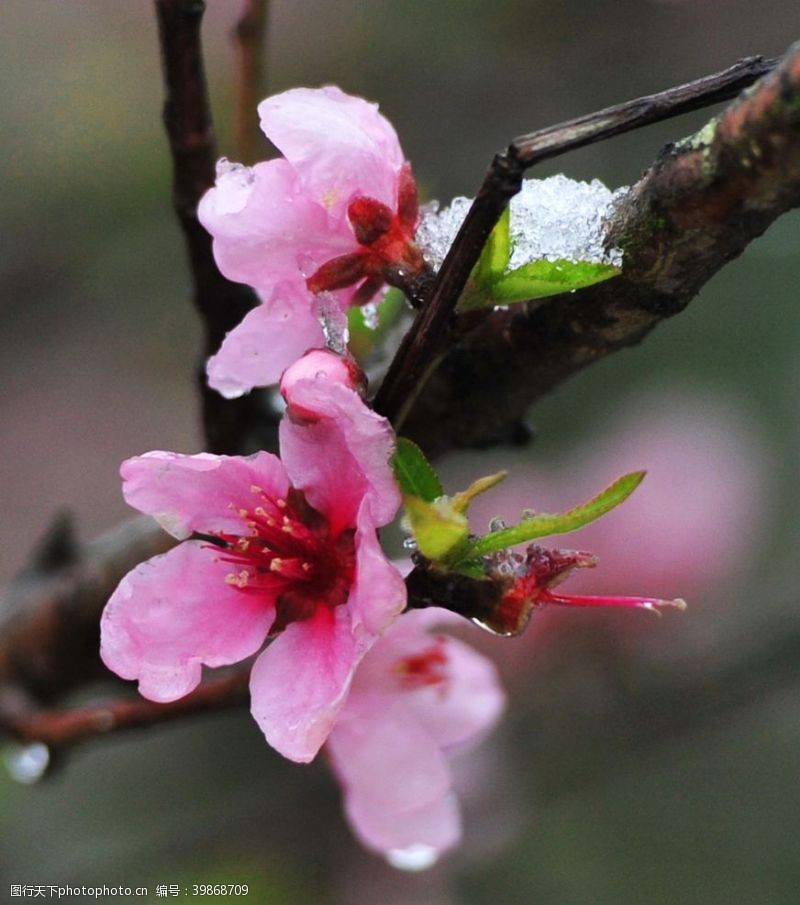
387 252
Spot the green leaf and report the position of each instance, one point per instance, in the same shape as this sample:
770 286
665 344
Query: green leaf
561 523
495 256
540 279
414 473
438 528
462 500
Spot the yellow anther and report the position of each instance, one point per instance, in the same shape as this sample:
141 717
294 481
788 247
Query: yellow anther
276 565
281 504
243 513
254 488
261 511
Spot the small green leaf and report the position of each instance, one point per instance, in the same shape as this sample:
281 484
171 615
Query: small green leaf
495 256
561 523
414 473
438 529
539 279
462 500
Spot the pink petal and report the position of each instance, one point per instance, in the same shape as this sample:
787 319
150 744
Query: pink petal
202 493
378 594
415 837
300 682
266 342
383 755
176 612
265 228
340 146
344 458
467 705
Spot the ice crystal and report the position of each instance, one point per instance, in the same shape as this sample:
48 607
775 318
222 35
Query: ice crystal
554 218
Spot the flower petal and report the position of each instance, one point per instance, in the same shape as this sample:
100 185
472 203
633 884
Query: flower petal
300 682
411 839
269 339
176 612
265 228
343 460
378 594
340 145
467 704
203 493
383 755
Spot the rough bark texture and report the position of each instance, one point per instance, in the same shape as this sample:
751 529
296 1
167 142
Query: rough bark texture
698 207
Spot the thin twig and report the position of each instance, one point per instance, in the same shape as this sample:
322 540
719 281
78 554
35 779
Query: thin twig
250 37
423 346
231 426
64 728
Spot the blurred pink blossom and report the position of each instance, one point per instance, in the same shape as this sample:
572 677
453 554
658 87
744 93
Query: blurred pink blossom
336 213
417 697
295 556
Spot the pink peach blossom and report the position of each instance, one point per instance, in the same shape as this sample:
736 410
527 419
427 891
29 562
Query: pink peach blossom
336 213
288 549
417 697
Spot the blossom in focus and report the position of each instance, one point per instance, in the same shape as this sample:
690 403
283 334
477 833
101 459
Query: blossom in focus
418 696
281 548
337 213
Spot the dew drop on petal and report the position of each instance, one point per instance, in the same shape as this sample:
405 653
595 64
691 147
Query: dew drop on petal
27 764
414 858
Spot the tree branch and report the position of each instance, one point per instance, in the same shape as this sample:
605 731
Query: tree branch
231 426
422 348
697 208
250 37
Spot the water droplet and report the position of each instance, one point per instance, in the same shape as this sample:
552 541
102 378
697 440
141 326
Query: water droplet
497 524
414 858
410 544
27 764
370 314
528 513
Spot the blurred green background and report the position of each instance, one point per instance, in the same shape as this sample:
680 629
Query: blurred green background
593 790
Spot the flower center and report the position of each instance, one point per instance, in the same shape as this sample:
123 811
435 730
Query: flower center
290 553
423 669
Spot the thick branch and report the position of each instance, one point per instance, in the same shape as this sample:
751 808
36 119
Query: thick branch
230 425
429 336
50 615
697 208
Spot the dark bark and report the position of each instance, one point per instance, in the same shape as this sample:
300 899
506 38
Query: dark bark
230 426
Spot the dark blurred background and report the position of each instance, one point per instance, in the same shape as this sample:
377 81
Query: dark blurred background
611 779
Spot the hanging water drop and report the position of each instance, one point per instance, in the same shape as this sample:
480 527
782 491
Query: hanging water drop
27 764
410 544
497 524
414 858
